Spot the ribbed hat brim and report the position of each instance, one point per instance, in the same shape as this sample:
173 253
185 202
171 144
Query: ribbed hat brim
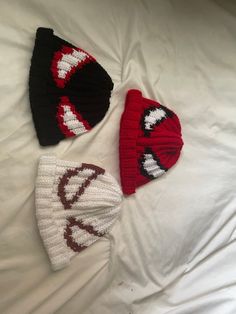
52 237
129 130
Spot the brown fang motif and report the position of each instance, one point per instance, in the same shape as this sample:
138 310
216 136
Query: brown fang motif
68 233
67 203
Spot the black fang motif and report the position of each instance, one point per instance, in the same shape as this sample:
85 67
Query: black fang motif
147 111
143 171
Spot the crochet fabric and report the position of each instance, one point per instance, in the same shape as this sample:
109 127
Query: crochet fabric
69 91
150 141
76 204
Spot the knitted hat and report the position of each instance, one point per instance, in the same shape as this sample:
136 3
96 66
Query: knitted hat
69 91
76 204
150 141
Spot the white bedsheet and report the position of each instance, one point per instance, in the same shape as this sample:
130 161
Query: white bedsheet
174 249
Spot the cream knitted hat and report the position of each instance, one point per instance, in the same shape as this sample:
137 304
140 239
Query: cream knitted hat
76 204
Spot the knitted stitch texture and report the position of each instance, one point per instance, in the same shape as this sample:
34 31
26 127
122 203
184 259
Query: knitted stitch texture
150 141
76 204
69 90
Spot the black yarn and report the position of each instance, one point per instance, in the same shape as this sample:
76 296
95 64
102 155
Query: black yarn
143 171
89 89
147 111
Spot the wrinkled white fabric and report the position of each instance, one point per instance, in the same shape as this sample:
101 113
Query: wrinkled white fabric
174 249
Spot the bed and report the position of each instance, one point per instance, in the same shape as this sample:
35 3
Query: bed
173 250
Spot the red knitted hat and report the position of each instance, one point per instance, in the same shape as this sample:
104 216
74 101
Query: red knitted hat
150 141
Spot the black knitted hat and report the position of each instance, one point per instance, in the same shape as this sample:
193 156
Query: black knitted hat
69 91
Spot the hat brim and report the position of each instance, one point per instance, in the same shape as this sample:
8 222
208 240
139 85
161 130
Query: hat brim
129 130
49 231
41 87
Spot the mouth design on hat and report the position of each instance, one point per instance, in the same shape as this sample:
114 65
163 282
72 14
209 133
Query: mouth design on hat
70 121
152 117
73 225
150 165
65 63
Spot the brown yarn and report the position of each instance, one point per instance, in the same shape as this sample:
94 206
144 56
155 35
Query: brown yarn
68 233
67 203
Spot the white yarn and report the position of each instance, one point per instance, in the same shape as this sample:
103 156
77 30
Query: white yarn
151 166
71 121
68 61
98 207
154 116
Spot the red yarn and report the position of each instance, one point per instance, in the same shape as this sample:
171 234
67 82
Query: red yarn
60 113
150 141
60 82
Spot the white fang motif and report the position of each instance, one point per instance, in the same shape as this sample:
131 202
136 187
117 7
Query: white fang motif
69 61
151 166
71 121
153 117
